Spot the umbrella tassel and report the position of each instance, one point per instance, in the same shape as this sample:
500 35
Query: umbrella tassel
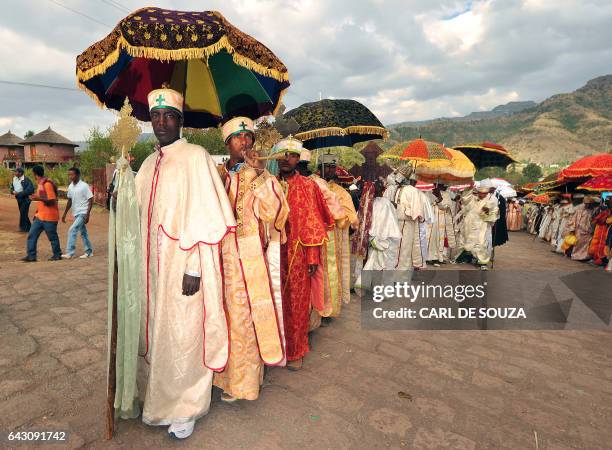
180 54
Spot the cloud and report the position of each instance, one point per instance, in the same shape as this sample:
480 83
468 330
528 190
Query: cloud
405 59
458 32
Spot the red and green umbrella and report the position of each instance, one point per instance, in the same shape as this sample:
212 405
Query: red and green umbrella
221 71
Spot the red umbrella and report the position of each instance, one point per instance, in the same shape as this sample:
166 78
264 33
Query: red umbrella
599 184
589 166
542 199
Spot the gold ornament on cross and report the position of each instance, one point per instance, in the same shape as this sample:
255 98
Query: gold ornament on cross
125 132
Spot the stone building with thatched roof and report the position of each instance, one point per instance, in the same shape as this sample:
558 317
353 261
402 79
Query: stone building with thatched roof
11 150
48 147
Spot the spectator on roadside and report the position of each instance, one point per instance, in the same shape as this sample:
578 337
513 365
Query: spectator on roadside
80 199
46 217
22 188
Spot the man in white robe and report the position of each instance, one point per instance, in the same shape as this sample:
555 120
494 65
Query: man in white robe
185 213
425 227
566 215
480 212
392 185
409 214
384 235
442 238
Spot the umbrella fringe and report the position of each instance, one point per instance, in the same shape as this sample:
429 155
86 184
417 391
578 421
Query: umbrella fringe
91 94
280 101
179 55
337 131
368 129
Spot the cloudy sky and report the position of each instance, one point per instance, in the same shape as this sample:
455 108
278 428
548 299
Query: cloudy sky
405 59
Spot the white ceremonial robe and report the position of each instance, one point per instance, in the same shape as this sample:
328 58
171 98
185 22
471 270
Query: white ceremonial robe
476 225
409 213
185 213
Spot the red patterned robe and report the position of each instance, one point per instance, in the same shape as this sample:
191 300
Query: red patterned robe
597 249
306 227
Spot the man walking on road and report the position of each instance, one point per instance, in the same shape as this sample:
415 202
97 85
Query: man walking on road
46 217
22 188
80 199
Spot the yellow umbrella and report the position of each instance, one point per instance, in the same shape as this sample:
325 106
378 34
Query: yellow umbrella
460 170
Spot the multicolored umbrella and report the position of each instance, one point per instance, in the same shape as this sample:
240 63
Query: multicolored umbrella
602 183
221 71
589 166
335 123
459 171
420 151
486 154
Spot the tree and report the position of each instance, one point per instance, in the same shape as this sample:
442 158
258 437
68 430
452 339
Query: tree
98 153
532 172
140 151
512 177
211 139
349 157
28 134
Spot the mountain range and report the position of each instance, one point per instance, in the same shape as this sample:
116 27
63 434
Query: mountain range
560 129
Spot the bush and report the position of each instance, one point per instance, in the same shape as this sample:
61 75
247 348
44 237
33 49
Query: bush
140 152
6 178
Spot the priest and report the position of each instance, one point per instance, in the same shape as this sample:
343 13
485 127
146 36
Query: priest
306 228
259 207
185 213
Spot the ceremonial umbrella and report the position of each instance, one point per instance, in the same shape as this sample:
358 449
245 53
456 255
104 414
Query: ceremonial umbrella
459 171
221 71
486 154
335 123
601 183
541 199
420 151
589 166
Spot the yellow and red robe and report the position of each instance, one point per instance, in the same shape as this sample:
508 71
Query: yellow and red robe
255 332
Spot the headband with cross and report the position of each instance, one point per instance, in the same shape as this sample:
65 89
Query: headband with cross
165 98
237 125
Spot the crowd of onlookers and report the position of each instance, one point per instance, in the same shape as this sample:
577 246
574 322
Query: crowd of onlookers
578 226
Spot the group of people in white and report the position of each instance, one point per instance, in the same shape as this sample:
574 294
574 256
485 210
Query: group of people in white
410 228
